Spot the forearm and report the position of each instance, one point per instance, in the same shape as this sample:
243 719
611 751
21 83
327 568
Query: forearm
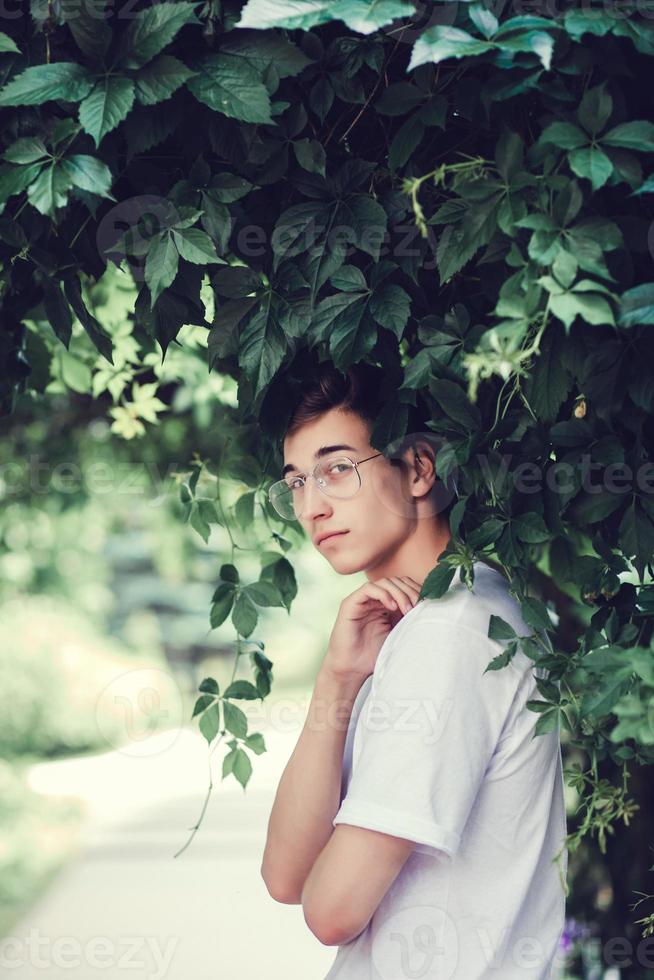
308 795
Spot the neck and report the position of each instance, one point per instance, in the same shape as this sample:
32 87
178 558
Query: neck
416 556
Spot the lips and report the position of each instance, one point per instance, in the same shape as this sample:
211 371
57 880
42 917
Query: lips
330 537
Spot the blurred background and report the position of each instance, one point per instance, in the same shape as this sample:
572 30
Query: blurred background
104 638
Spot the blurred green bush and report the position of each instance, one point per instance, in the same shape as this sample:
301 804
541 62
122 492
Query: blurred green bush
55 669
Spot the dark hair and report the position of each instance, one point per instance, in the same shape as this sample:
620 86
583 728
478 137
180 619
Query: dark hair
361 389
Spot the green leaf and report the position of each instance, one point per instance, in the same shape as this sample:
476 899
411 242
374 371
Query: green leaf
547 722
244 615
230 85
28 149
88 173
405 142
310 155
264 594
452 399
42 83
256 742
591 162
242 689
442 41
635 135
390 306
565 135
236 720
437 581
106 106
595 108
14 180
210 722
637 305
534 612
102 341
263 49
160 79
57 310
499 629
160 265
262 345
202 703
151 30
210 686
531 528
364 16
399 99
50 189
7 44
241 767
228 188
195 246
222 602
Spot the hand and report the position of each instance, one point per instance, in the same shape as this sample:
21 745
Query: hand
364 620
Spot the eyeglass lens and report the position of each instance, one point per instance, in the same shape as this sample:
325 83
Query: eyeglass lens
336 477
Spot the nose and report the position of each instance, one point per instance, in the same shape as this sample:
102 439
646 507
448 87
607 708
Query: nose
315 503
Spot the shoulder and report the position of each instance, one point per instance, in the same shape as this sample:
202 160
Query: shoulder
457 623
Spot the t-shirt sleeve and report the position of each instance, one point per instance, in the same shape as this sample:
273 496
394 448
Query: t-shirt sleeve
427 733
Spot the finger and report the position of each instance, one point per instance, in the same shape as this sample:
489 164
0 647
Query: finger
404 595
413 590
372 590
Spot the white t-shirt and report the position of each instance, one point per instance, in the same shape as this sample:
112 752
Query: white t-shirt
443 754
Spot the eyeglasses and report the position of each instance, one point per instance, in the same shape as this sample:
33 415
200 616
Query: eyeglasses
337 477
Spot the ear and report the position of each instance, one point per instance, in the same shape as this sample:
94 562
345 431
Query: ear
421 461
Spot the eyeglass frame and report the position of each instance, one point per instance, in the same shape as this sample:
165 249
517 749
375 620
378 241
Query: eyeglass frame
355 463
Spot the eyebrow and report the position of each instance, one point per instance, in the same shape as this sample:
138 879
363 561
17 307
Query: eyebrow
323 451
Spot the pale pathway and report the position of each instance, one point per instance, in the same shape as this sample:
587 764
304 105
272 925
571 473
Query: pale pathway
126 908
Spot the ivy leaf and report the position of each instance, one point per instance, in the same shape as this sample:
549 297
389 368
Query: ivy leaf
195 246
42 83
638 134
89 174
310 155
160 79
50 189
28 149
264 49
437 581
565 135
244 615
210 722
591 162
364 16
101 340
242 690
637 305
106 106
14 180
390 307
262 345
230 85
160 265
442 41
7 44
150 31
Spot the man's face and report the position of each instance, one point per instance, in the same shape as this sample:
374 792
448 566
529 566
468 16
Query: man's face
375 518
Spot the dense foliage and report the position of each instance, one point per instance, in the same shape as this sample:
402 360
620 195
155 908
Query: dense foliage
462 195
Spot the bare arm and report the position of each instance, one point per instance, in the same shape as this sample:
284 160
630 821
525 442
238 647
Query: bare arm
308 795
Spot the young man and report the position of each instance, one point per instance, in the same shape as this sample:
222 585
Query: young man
418 819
